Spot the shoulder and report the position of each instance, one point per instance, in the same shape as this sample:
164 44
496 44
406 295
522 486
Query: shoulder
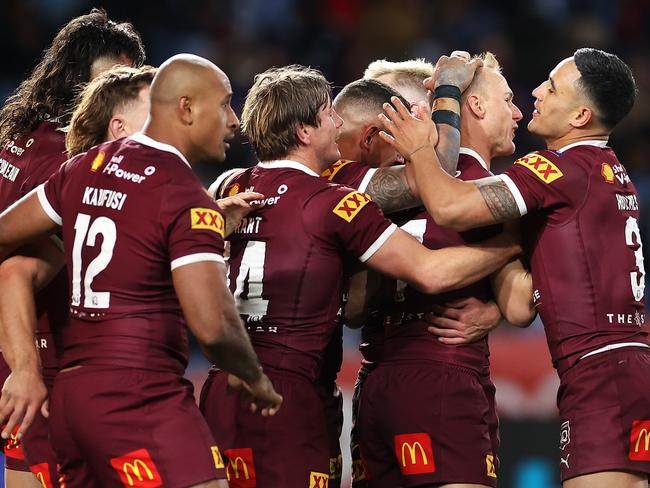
548 166
226 183
346 172
337 200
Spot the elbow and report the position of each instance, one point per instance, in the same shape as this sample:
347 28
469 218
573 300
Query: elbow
448 217
521 318
433 283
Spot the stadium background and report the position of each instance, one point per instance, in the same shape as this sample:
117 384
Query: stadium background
341 37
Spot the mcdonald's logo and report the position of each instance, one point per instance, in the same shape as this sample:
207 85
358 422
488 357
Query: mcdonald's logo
42 473
137 469
640 441
318 480
491 467
216 455
414 453
240 469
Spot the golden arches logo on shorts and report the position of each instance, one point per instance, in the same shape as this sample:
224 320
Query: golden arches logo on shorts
240 469
640 441
216 456
350 205
207 218
330 172
98 161
607 172
137 469
42 473
414 453
544 169
318 480
491 467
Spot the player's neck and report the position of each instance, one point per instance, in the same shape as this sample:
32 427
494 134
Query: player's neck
171 138
308 159
478 146
572 137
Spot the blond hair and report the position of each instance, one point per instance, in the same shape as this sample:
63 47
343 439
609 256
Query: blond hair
278 102
490 62
99 100
406 74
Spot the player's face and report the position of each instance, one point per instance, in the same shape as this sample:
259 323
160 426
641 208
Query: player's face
216 121
501 114
381 154
325 135
556 100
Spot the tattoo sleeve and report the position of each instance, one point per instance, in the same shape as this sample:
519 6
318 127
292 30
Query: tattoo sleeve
447 148
389 189
498 198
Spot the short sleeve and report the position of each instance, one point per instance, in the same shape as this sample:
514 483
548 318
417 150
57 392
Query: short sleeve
350 219
50 193
194 224
541 181
350 173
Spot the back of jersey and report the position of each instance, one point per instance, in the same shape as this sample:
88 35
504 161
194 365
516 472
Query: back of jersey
287 260
132 210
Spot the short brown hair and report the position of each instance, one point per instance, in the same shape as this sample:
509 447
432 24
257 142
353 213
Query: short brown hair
279 100
98 101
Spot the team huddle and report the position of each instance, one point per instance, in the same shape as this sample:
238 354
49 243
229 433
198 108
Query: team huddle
374 209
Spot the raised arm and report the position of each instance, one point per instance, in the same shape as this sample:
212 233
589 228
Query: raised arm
436 271
452 203
211 315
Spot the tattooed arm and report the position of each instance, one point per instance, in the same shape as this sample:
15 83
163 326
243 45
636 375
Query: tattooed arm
452 203
389 188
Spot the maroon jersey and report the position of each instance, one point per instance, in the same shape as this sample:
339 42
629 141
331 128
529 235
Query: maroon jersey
132 210
357 175
25 163
403 307
582 234
287 260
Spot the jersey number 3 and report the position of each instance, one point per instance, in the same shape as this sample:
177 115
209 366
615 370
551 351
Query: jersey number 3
86 234
637 278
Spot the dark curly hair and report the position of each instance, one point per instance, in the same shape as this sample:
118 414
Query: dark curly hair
51 89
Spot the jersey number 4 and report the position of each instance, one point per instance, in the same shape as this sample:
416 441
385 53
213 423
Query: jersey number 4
86 235
250 281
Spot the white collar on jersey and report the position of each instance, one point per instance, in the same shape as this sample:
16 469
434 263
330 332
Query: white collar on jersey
287 163
597 143
148 141
474 154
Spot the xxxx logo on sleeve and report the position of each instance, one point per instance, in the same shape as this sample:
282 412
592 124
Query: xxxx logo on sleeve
330 172
414 453
350 205
206 218
318 480
137 469
544 169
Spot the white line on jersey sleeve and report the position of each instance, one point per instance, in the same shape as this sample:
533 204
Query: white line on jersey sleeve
374 247
523 209
196 258
47 208
366 180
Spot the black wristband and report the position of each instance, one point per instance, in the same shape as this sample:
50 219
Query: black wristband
447 91
446 117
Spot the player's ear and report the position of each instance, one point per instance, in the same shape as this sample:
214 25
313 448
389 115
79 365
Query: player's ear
303 133
369 132
582 117
475 105
116 128
184 110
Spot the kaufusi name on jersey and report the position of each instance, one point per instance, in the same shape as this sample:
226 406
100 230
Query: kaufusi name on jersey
101 197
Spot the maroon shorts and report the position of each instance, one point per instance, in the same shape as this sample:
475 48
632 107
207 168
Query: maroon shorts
332 398
425 422
359 475
289 449
604 403
115 427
